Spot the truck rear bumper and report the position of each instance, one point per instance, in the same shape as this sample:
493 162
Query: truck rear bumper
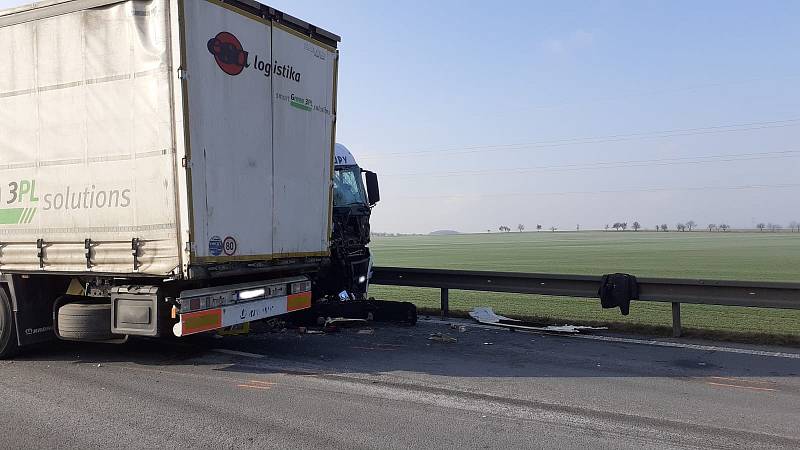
226 316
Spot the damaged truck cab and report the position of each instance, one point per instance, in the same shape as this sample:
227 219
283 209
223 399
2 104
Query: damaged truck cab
355 192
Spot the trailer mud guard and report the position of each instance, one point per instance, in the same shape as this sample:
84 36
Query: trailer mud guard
32 299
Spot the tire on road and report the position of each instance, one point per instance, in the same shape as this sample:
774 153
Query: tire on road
8 332
85 321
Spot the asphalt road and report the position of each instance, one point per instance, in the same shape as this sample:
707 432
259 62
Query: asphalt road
395 388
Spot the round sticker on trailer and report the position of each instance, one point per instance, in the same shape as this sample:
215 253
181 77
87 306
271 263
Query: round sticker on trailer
229 246
215 246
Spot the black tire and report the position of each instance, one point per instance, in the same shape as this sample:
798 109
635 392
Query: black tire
8 331
85 321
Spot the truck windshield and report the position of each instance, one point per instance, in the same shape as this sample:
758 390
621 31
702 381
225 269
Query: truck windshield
347 187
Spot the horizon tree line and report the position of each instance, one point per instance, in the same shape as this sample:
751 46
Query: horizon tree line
690 225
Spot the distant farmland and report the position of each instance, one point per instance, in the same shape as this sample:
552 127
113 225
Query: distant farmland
758 256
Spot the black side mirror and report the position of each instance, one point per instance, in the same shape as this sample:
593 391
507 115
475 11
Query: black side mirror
373 192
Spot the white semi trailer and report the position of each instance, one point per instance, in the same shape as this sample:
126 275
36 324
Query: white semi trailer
165 166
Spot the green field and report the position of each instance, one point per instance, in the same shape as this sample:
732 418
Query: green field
735 256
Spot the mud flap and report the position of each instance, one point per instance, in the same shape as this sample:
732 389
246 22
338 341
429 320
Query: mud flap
32 298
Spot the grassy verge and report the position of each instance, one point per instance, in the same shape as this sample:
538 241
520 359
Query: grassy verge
752 325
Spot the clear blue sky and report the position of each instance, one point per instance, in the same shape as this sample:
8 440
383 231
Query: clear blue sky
422 84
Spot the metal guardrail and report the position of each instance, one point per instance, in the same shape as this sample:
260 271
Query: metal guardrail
670 290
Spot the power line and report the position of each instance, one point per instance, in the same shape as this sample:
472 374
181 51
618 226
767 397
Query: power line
594 140
599 165
620 191
572 102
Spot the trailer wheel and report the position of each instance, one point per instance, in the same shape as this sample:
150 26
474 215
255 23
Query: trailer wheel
85 321
8 335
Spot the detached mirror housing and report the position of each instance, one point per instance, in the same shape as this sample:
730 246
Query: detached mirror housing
373 193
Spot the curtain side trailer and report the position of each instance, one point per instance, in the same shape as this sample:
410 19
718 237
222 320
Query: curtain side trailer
165 167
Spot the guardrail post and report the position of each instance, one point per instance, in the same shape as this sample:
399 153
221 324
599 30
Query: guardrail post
676 319
445 302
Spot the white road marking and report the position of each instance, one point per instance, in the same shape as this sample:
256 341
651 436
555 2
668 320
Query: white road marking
247 386
741 387
712 348
653 342
237 353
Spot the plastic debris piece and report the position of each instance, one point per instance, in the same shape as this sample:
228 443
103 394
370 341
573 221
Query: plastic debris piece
440 337
487 316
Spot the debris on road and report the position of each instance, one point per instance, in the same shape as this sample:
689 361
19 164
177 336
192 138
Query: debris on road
371 310
344 322
441 337
366 331
460 328
486 316
306 330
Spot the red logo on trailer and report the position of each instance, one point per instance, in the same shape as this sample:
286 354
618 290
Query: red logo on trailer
228 52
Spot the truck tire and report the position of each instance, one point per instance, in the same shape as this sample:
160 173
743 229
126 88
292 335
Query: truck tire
8 335
85 321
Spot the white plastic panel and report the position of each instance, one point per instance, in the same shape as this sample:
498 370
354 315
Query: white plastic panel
303 127
261 124
230 122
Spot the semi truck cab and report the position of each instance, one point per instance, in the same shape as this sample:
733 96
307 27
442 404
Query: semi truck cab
355 192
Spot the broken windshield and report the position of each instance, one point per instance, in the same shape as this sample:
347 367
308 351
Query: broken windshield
348 188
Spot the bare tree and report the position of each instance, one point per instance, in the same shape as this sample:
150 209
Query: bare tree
691 225
538 227
553 228
521 228
712 227
793 225
761 226
578 227
606 227
636 226
616 226
681 227
724 227
664 227
624 226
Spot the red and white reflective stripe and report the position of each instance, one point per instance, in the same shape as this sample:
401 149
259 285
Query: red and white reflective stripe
226 316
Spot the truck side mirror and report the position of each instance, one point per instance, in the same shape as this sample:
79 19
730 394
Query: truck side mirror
373 193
